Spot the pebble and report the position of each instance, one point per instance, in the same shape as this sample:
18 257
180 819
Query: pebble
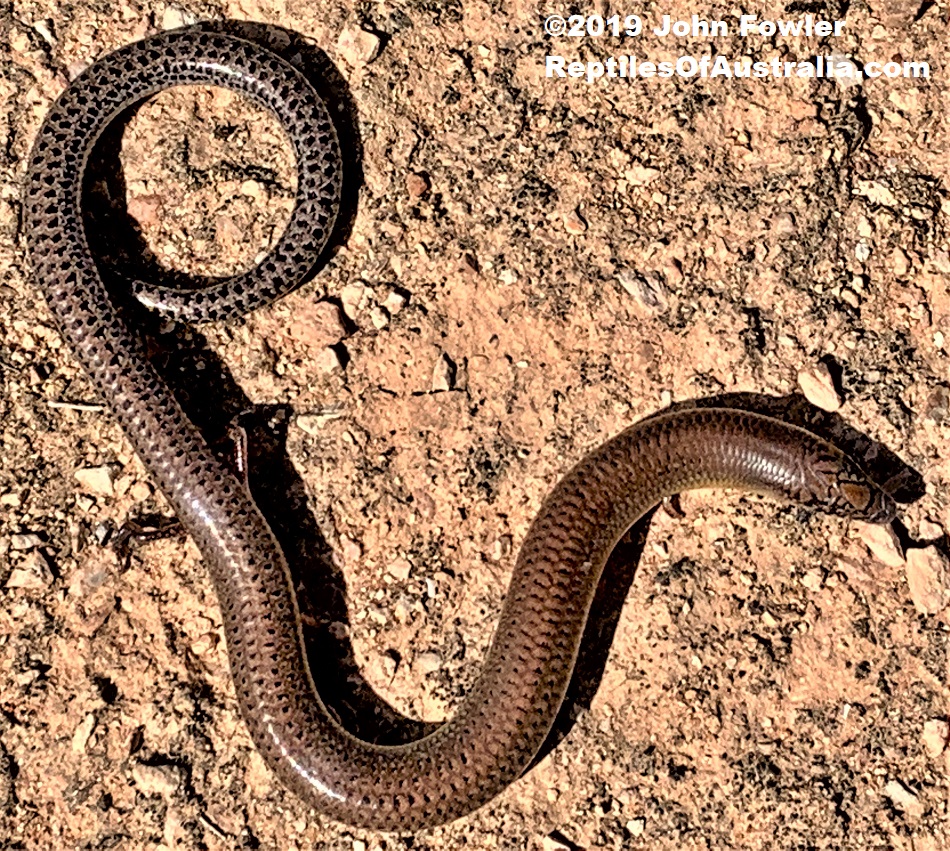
328 360
352 551
156 779
903 798
353 297
97 480
935 737
320 324
174 17
82 733
25 541
357 46
417 184
33 573
574 223
399 568
379 316
312 423
502 547
650 293
427 662
552 842
900 262
819 387
395 302
928 580
929 531
443 374
883 543
636 826
783 225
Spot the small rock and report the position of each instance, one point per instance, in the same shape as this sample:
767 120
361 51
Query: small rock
819 387
33 573
813 579
97 480
82 733
502 547
427 662
928 580
935 737
443 374
140 491
320 324
328 360
883 543
904 799
379 316
174 17
400 568
417 184
353 297
156 779
900 262
927 530
357 46
395 302
359 845
574 223
312 423
783 225
636 826
352 551
649 291
25 541
640 175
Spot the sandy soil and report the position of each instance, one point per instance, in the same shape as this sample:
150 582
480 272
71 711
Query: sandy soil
532 265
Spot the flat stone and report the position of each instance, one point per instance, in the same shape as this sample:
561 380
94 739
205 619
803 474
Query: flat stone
904 799
928 580
819 388
883 543
97 480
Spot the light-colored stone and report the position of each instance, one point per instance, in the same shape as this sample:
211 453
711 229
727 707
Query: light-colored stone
443 374
379 316
399 568
328 360
574 223
904 799
819 388
25 541
156 779
427 662
395 302
97 480
928 580
82 733
357 46
883 543
935 737
32 573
